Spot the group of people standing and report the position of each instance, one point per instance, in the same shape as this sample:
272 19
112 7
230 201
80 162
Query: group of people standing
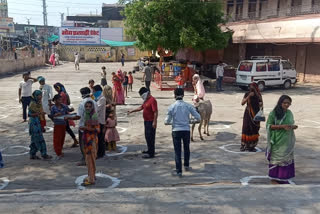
280 134
97 125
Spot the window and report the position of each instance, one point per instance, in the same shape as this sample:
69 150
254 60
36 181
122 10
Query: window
286 65
261 66
245 66
273 66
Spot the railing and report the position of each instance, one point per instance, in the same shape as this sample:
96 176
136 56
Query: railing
271 13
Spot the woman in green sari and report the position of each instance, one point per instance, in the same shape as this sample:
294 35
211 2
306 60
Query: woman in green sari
281 142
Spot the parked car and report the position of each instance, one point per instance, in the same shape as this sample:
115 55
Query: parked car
266 71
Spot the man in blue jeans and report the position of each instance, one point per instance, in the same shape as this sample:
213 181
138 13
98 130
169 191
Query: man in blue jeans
179 116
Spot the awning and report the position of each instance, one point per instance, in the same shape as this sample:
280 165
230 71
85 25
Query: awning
118 44
53 38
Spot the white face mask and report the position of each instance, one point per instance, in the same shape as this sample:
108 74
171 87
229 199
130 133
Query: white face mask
145 95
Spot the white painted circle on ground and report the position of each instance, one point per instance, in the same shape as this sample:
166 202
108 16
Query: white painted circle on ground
115 181
14 147
5 182
122 130
220 127
2 116
122 150
245 181
224 148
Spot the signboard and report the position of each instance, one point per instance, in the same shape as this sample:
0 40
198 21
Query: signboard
89 36
131 52
7 24
80 36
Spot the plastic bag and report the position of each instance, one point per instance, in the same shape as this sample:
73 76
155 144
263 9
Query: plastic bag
259 116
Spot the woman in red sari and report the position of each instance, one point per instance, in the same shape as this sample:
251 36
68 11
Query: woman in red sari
118 92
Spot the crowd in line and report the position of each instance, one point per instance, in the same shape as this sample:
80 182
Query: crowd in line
97 122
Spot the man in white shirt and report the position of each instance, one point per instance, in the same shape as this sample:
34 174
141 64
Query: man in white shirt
101 112
25 92
85 93
219 75
77 61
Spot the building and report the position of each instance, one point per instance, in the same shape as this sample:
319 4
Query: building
287 28
110 12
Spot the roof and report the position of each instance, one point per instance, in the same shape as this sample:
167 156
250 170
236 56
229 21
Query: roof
118 44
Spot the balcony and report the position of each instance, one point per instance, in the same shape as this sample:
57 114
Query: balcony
267 13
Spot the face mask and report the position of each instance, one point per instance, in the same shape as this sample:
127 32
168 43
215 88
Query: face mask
97 94
144 96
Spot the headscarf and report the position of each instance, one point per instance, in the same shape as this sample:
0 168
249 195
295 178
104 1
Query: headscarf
200 91
120 75
90 117
60 87
107 93
41 78
255 85
36 104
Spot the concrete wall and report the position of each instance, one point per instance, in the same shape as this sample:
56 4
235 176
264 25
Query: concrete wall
10 66
209 56
99 53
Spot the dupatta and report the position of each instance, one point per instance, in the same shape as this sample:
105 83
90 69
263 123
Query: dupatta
280 142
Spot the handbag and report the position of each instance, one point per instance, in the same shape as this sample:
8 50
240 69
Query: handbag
259 116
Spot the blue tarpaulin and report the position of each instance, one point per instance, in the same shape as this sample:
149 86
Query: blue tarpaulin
118 44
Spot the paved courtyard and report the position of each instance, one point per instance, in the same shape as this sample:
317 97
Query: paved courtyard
146 185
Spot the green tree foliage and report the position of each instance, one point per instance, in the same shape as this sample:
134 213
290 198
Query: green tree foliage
175 24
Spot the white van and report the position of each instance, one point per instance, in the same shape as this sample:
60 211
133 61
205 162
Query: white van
266 71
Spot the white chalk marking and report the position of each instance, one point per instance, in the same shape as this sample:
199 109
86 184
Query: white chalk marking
220 128
122 149
115 181
122 129
245 181
13 147
2 116
5 182
227 150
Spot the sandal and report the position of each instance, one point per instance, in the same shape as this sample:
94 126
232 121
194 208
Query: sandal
34 157
87 183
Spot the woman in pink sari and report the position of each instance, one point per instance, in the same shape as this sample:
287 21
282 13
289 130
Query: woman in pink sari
52 60
118 92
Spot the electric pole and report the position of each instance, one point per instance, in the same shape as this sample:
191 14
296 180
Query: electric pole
62 18
28 21
45 14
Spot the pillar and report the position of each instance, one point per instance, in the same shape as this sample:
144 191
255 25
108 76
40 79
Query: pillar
306 6
272 8
245 9
234 10
242 51
258 9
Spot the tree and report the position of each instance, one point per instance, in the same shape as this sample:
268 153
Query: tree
176 24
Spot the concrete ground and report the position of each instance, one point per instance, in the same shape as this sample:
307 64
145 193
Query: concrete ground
146 186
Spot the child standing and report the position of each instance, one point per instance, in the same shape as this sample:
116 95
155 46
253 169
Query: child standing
90 139
179 80
130 81
59 130
103 76
112 135
125 83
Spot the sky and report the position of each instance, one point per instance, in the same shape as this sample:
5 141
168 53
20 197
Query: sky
21 10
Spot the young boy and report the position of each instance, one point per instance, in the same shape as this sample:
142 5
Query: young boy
125 83
130 81
25 92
